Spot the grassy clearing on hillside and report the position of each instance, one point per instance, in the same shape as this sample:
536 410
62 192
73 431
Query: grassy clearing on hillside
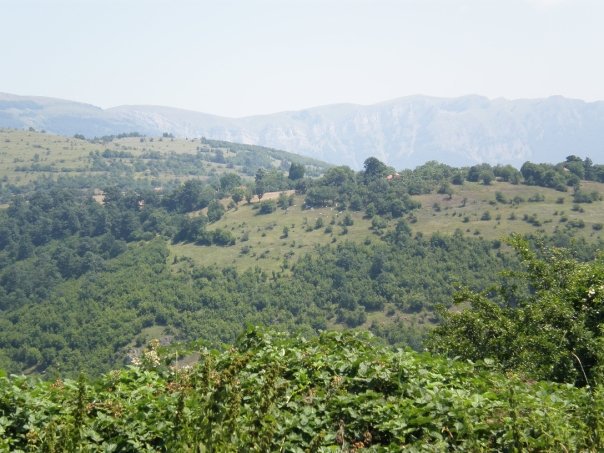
441 214
26 156
390 316
261 240
53 154
23 148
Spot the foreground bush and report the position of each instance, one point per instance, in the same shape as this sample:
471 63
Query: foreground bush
554 332
336 392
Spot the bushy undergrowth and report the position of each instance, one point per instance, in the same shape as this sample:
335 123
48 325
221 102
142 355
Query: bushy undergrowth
335 392
554 332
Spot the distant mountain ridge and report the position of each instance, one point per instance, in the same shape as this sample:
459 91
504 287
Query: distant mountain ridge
403 132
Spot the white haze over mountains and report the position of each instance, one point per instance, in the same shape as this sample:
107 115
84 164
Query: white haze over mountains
403 132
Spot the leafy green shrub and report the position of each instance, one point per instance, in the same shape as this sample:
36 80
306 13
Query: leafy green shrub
532 219
222 237
584 197
378 223
576 223
517 200
347 221
555 333
536 198
336 392
267 207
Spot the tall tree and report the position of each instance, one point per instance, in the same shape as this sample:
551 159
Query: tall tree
296 171
374 168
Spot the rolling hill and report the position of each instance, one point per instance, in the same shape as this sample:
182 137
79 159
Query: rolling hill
29 158
83 282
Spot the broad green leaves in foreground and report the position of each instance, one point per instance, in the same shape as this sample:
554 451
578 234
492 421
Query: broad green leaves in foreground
336 392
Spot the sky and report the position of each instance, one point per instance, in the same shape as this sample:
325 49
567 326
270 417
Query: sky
238 58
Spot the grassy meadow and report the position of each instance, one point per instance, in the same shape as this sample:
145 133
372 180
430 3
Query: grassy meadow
262 241
26 156
466 209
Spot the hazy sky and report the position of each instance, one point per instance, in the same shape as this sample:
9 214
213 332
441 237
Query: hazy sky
245 57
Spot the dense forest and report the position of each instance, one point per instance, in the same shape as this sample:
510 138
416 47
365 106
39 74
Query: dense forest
123 247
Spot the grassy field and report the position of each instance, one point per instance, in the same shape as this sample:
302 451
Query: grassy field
23 148
262 242
469 203
28 155
54 154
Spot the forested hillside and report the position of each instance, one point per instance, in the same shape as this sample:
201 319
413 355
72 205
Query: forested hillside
189 243
87 276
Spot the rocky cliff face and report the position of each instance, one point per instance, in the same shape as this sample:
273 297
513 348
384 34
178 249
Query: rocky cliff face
403 132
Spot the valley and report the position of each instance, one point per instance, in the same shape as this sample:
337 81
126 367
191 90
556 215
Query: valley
141 254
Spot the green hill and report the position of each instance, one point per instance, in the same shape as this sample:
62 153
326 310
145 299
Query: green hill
271 241
108 243
223 244
261 240
129 160
474 209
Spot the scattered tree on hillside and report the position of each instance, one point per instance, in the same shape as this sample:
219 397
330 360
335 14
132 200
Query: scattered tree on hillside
215 211
238 194
296 171
374 169
259 183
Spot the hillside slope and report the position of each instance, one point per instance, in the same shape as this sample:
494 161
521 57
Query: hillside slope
28 158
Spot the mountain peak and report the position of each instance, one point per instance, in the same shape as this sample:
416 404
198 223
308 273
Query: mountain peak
403 132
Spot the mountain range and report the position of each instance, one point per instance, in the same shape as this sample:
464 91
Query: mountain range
403 132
